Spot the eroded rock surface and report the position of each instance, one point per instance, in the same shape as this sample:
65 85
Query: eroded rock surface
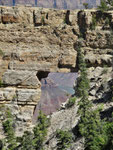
35 42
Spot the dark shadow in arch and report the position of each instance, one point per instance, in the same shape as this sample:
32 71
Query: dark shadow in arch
42 74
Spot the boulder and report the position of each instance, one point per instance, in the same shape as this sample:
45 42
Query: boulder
21 78
28 96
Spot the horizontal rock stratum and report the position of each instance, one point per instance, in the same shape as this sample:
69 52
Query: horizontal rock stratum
35 39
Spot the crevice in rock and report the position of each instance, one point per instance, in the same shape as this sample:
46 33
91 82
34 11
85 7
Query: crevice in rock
74 32
67 17
75 46
34 17
82 24
67 66
76 132
42 74
34 109
107 113
56 33
47 16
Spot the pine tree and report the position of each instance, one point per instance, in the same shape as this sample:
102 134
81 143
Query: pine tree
64 139
40 131
26 141
8 126
90 125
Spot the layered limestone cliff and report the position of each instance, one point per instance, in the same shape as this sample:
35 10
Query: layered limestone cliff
35 42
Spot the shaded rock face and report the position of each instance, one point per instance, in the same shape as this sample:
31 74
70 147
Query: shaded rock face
55 90
59 4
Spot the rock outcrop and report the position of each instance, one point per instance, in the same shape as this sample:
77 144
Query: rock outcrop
35 42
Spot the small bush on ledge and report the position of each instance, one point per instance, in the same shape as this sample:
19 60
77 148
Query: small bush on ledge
1 53
64 139
71 102
94 23
0 83
86 5
43 20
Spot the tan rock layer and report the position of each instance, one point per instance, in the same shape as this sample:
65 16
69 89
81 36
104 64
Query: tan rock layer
35 39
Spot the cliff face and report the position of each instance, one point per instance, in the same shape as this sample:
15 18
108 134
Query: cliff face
35 42
59 4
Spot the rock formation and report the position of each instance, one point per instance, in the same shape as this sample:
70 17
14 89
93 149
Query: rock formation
35 42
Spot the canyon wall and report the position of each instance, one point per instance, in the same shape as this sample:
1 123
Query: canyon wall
35 42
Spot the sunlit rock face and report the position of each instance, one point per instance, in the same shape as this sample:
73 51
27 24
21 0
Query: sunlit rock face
56 89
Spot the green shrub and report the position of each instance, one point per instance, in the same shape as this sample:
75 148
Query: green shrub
64 21
105 70
1 53
30 140
64 139
82 84
94 130
71 102
43 20
1 145
10 134
99 36
109 38
8 126
83 81
40 131
108 127
35 140
103 6
110 2
1 84
107 21
94 23
85 5
81 36
26 141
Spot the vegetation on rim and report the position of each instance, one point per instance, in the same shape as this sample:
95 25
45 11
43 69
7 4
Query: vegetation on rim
97 133
30 140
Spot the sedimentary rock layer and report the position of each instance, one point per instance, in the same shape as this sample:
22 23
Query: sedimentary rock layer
36 41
